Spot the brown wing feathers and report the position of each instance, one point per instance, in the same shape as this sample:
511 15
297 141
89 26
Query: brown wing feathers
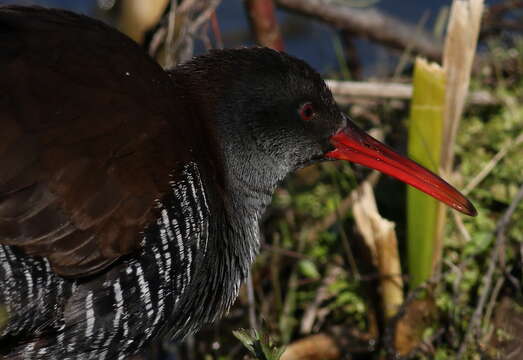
86 144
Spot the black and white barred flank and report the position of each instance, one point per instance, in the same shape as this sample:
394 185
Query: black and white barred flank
113 315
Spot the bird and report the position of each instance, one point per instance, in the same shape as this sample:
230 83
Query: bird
131 195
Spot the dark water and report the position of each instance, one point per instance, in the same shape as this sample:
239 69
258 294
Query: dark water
307 39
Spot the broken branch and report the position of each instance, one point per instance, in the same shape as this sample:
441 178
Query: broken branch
370 23
345 91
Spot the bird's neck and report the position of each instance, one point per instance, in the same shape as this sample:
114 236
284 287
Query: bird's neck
243 176
251 179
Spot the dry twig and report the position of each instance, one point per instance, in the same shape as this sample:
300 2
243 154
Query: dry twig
500 232
346 91
492 163
253 323
371 23
264 24
322 294
181 24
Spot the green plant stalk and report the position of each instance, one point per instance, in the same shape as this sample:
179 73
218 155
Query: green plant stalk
342 62
424 146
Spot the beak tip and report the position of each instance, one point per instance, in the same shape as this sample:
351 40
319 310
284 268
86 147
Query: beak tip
471 210
465 207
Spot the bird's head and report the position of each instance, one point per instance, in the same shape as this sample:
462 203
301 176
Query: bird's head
275 114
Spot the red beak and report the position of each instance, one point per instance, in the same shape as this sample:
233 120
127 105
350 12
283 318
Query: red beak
354 145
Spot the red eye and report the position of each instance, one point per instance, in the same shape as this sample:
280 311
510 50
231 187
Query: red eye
306 111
